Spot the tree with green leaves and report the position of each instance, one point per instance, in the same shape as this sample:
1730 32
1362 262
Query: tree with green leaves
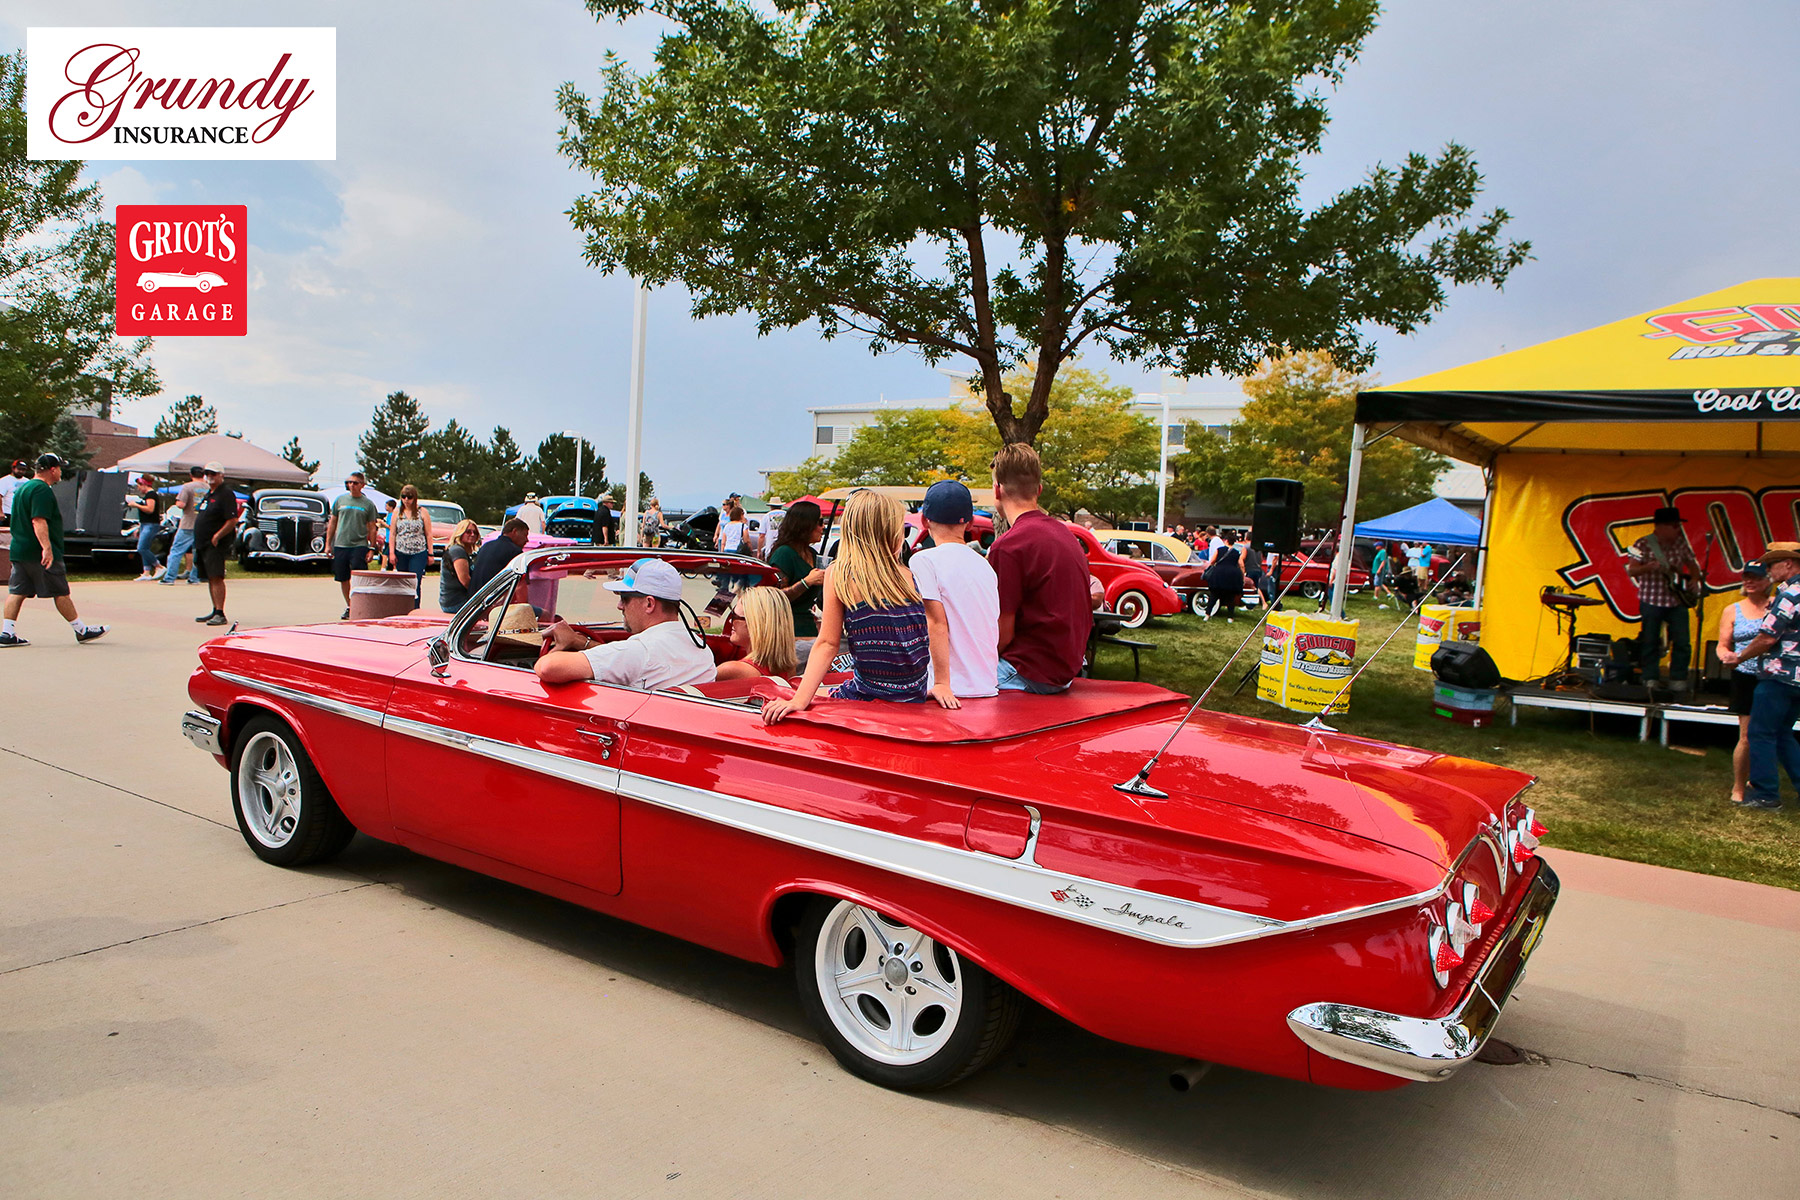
1010 182
902 446
646 489
483 477
190 416
812 476
392 449
57 346
1296 425
294 454
551 468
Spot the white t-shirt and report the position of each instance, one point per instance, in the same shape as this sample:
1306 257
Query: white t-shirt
8 485
731 536
1213 547
663 656
533 516
957 577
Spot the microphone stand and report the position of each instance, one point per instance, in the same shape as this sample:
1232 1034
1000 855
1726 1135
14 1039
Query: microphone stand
1698 653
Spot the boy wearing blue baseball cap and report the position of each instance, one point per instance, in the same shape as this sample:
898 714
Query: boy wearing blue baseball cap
962 599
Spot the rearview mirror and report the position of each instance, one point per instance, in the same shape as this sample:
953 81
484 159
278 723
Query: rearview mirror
439 654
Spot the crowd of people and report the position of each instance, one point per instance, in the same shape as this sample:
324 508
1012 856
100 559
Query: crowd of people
949 625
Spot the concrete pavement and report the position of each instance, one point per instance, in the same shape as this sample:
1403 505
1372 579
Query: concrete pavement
177 1019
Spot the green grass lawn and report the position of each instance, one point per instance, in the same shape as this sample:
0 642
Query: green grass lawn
1600 790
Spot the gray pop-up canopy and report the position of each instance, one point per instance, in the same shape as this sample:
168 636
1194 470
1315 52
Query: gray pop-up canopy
243 461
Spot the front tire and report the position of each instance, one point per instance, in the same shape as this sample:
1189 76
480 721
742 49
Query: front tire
283 810
1311 589
1133 608
894 1006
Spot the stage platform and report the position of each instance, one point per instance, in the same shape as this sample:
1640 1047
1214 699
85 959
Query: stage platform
1530 697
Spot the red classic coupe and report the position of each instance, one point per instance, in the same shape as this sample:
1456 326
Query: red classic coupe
1283 899
1133 589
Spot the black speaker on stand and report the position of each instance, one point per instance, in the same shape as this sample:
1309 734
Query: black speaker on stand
1274 531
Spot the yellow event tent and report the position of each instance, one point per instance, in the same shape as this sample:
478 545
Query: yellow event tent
1695 405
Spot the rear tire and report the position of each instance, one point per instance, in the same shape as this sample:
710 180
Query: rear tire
1198 602
1311 589
286 815
915 1021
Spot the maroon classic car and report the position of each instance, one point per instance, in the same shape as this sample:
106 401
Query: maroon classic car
1278 898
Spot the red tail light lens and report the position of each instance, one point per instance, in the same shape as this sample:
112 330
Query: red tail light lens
1479 912
1538 828
1521 853
1447 958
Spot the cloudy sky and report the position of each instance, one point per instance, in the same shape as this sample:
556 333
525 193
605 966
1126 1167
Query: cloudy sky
1646 149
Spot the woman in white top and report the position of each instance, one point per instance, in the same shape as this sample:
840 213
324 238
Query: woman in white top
730 535
1738 624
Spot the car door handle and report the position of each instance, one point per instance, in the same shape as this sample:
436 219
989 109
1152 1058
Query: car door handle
606 740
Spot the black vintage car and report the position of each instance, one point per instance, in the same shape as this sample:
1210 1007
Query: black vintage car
283 525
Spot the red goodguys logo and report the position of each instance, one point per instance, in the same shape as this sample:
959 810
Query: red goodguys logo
1766 329
181 269
1742 523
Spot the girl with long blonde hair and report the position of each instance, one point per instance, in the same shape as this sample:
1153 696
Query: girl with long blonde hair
764 631
872 605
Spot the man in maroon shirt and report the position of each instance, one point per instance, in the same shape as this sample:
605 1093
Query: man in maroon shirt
1045 611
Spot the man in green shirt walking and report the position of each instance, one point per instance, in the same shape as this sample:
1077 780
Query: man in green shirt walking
37 555
351 532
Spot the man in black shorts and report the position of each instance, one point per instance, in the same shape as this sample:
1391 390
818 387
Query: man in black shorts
37 555
212 538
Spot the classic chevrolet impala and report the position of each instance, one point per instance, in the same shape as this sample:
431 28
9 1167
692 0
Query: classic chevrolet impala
1286 900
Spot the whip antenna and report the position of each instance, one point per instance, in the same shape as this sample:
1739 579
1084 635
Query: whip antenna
1318 721
1139 785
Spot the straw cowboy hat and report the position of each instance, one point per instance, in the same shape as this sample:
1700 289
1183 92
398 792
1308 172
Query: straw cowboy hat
1780 552
518 624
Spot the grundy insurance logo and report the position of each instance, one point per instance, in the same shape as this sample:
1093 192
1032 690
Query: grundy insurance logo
181 269
207 93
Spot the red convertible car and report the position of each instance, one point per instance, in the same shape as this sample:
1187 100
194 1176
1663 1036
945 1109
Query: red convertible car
1286 900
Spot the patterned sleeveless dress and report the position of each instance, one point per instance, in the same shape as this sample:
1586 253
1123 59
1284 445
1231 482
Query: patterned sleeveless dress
891 649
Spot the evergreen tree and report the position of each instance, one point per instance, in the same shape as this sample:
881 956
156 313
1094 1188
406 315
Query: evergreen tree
188 417
552 468
294 454
392 450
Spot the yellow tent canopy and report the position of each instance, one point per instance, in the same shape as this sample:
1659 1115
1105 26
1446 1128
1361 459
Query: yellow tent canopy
1715 375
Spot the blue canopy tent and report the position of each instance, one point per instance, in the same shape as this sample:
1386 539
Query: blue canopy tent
1436 521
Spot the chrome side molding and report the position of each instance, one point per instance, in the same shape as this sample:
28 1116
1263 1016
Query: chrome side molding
1430 1050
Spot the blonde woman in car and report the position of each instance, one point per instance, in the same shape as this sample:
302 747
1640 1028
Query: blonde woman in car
764 631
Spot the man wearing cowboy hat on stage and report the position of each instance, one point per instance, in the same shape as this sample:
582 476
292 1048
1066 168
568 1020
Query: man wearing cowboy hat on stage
1658 563
1777 703
660 653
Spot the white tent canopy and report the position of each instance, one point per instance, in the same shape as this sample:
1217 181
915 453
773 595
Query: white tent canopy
243 461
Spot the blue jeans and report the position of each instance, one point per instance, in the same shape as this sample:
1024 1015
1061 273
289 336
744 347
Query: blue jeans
416 563
1772 745
183 543
1012 681
147 547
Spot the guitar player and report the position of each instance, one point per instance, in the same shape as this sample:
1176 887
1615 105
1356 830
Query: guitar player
1662 565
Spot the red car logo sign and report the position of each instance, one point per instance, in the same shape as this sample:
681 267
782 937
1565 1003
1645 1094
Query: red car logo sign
181 270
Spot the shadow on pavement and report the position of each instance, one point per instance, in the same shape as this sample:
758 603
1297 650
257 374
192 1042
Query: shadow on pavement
1253 1130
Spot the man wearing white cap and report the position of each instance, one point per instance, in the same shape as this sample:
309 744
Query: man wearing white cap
660 653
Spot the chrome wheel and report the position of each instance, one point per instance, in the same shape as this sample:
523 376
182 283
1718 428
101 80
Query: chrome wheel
892 992
268 782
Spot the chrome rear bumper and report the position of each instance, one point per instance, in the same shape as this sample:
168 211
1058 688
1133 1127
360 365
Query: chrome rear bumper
202 729
1430 1049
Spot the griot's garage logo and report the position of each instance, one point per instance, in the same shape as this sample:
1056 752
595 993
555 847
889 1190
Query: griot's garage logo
181 269
1725 526
173 93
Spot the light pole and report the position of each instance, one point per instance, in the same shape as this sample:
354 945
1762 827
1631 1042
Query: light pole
1162 472
570 433
634 422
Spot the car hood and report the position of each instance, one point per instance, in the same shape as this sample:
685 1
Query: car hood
1428 804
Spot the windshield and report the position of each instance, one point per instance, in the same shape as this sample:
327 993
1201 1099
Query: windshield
573 589
442 514
277 505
